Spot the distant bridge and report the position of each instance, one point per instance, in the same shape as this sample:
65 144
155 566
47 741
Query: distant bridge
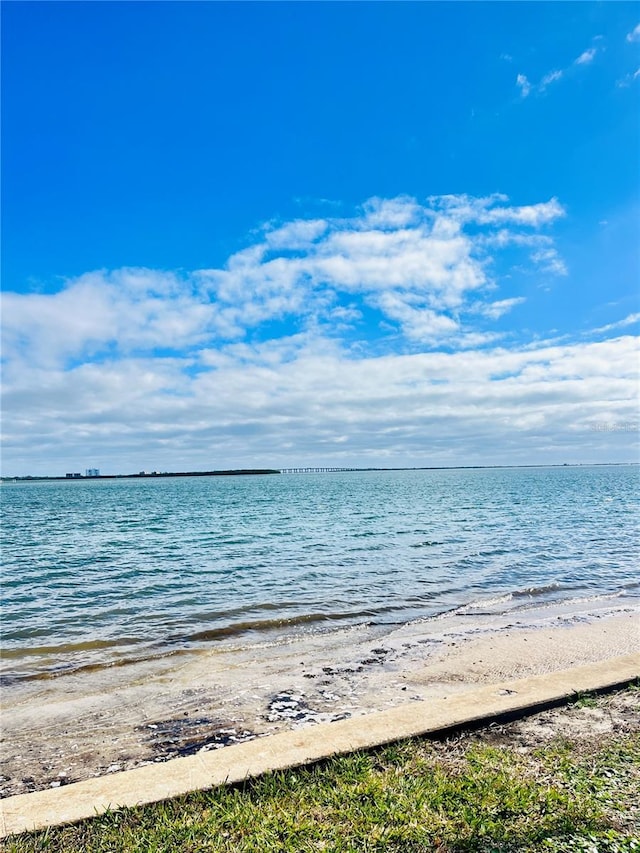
312 470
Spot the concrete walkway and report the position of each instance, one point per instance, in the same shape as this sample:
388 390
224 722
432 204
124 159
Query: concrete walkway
155 782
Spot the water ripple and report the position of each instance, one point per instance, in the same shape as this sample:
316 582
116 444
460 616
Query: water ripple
92 568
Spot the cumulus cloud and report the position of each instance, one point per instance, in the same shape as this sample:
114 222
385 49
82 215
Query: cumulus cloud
417 264
418 321
133 309
549 261
358 338
634 35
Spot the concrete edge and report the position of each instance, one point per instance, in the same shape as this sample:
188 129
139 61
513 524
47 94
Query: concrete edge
156 782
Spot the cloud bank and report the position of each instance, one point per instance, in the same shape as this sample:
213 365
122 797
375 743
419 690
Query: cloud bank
375 339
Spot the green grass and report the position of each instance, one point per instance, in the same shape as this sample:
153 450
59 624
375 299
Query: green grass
459 795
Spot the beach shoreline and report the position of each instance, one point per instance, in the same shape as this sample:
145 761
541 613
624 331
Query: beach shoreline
75 727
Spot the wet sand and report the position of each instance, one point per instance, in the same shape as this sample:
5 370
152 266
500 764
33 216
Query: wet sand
77 726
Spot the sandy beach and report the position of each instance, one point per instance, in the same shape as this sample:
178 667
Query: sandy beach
74 727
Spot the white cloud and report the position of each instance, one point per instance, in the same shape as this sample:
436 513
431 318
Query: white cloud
507 237
532 215
527 87
629 320
297 234
417 321
393 245
414 263
634 35
392 213
387 332
523 83
497 309
628 79
472 340
493 210
586 56
133 308
549 261
307 400
548 79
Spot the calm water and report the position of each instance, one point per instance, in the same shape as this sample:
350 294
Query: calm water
97 572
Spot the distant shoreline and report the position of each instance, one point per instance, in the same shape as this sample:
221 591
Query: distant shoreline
311 469
153 475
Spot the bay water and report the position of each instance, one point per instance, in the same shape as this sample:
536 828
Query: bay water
104 572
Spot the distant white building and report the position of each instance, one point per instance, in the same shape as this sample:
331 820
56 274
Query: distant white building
92 472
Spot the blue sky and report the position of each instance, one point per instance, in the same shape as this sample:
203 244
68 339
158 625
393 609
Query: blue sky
241 234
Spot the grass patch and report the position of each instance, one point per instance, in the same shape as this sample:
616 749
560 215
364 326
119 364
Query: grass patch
451 797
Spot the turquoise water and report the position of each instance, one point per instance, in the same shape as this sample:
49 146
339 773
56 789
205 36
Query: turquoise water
101 572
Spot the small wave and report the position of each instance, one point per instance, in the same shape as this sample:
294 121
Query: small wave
70 668
535 591
266 625
478 606
68 648
586 599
